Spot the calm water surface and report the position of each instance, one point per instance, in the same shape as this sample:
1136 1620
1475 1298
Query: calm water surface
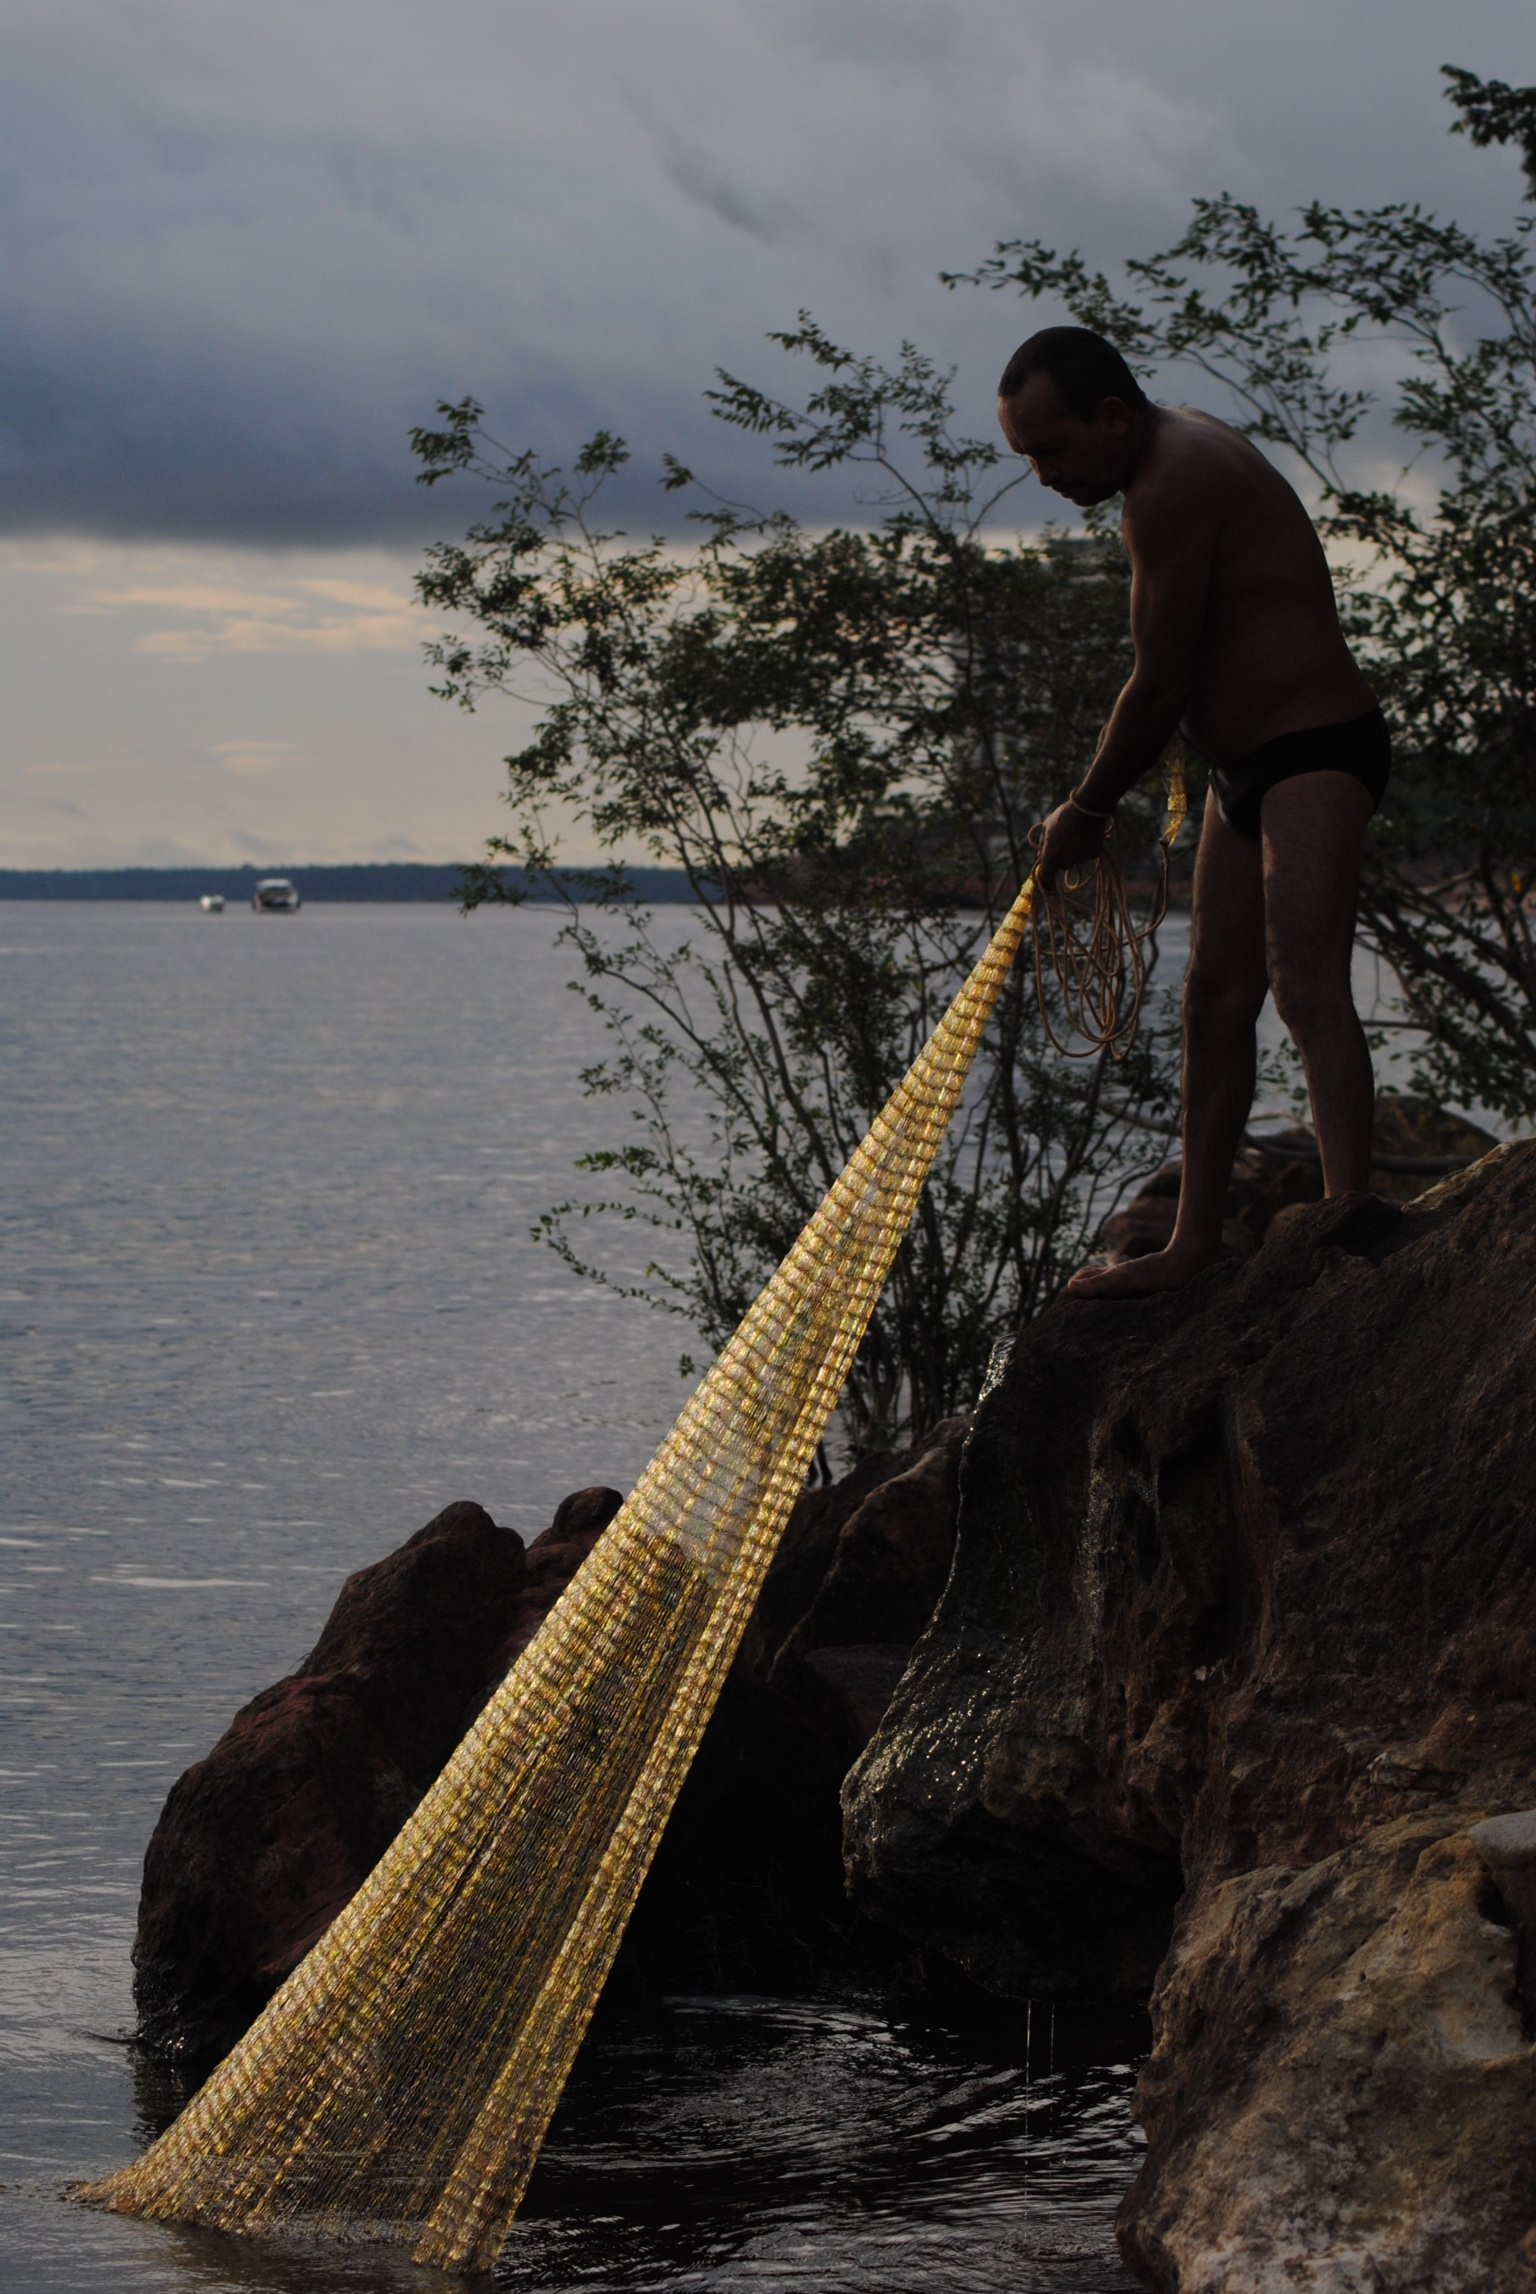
269 1302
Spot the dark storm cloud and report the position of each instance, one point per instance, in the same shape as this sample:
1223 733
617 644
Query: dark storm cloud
248 249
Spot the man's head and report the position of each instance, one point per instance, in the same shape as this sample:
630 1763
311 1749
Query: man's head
1072 407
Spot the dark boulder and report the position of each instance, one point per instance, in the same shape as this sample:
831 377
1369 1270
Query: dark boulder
746 1892
553 1558
256 1849
747 1889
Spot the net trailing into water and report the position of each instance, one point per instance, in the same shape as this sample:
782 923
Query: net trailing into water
400 2083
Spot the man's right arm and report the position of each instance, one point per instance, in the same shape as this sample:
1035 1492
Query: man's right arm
1171 536
1172 542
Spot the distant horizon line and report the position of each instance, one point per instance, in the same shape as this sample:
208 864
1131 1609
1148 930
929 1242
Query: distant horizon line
320 879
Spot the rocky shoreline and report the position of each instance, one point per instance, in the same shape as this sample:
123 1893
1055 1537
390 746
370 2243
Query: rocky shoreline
261 1843
1243 1614
1201 1664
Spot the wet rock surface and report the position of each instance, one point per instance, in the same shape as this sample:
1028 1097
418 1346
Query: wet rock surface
1234 1684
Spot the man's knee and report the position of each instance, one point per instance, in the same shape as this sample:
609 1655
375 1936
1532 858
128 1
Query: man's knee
1310 996
1220 1003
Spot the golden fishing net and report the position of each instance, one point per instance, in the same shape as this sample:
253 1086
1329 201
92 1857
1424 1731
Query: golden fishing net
401 2081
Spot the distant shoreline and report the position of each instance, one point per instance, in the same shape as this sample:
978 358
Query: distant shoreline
371 882
388 880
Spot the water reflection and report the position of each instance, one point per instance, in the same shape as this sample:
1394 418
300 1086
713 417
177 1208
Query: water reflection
839 2146
834 2146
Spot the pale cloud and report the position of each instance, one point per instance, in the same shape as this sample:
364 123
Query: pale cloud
196 597
219 612
55 554
372 597
256 633
251 757
314 737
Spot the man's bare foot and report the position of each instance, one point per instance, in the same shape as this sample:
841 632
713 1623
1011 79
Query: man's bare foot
1168 1269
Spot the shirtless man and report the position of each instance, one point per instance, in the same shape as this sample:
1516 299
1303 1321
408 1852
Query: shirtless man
1238 645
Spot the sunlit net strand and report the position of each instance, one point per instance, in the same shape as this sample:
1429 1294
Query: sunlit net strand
400 2083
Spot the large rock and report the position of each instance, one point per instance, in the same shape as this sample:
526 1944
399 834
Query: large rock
1342 2095
1235 1666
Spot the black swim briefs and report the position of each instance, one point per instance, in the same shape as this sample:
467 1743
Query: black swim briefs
1359 746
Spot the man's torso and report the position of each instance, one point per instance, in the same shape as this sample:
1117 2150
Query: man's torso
1272 658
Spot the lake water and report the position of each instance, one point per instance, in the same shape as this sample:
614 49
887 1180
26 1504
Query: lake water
269 1302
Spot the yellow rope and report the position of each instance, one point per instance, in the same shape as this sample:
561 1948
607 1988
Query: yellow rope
1084 935
400 2083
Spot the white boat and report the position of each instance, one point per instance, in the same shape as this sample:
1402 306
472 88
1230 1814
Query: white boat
275 896
212 903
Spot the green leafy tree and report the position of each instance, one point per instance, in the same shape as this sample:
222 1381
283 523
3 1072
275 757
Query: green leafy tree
1437 559
841 736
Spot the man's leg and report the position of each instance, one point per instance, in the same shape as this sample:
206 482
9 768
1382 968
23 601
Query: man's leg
1224 991
1314 827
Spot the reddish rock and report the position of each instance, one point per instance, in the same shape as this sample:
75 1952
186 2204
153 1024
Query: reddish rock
256 1848
417 1635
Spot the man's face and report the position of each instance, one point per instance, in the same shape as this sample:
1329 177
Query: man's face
1085 461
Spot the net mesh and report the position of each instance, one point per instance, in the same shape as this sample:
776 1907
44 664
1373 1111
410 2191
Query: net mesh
400 2083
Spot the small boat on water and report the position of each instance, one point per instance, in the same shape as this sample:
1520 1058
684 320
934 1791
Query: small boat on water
275 896
212 903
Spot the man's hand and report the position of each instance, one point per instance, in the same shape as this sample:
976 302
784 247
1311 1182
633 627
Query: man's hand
1069 838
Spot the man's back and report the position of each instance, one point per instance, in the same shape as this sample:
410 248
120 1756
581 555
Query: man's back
1271 657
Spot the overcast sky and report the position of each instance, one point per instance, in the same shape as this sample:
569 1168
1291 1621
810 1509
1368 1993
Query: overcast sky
247 247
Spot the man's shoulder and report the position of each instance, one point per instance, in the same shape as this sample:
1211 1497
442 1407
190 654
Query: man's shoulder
1186 480
1170 501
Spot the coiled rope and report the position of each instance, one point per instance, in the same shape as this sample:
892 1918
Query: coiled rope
1085 939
